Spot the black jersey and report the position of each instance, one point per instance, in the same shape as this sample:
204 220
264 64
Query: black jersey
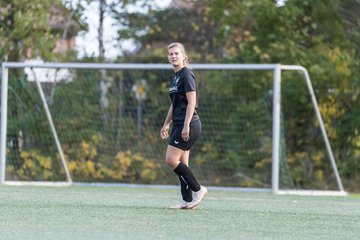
182 82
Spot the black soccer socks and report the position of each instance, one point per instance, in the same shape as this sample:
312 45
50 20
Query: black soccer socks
184 172
186 192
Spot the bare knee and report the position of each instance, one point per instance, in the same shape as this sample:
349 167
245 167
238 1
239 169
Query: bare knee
173 156
171 162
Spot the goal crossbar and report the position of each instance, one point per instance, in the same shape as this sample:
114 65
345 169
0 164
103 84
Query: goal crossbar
276 68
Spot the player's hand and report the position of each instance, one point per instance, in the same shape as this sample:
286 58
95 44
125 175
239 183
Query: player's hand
164 132
185 133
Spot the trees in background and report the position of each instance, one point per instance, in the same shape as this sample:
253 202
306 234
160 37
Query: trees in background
32 29
25 25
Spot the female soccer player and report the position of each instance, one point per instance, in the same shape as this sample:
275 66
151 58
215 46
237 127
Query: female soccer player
186 126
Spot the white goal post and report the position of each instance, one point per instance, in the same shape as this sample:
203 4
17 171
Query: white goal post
276 114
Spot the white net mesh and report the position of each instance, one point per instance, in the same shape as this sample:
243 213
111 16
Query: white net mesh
108 125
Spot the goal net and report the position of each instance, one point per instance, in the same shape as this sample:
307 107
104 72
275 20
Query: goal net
99 123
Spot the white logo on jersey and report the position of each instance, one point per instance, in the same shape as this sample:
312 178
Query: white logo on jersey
176 142
173 89
177 80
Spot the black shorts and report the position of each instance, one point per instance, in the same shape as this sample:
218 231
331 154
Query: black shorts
176 139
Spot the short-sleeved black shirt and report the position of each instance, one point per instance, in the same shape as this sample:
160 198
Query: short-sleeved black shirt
182 82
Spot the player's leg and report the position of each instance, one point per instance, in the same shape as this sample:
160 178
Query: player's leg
175 151
186 174
173 156
186 193
195 133
185 158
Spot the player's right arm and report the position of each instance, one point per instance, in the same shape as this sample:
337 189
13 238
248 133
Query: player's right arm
164 132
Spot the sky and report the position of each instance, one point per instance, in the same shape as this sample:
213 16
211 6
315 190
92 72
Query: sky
87 43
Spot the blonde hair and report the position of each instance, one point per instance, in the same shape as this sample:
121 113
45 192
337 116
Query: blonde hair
182 49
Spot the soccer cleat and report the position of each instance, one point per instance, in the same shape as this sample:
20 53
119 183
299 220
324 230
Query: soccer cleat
197 197
181 205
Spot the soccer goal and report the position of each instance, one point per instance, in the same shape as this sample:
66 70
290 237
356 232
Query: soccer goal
65 123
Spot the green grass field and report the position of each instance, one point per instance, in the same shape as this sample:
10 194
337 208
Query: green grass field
143 213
